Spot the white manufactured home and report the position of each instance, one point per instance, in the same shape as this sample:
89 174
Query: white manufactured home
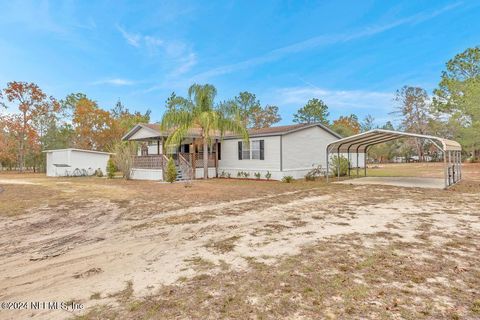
75 162
291 150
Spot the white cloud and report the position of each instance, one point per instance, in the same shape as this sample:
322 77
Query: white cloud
324 40
133 39
340 100
186 64
115 82
152 41
181 55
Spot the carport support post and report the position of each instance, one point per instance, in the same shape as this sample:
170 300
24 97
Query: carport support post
357 163
445 168
338 164
449 168
460 164
328 160
365 161
348 160
454 165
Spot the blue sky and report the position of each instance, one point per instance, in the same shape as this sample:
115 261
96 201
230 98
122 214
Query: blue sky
351 54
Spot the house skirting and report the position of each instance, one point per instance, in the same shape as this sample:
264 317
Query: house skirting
275 174
157 174
146 174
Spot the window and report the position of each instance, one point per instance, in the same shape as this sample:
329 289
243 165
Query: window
245 151
255 150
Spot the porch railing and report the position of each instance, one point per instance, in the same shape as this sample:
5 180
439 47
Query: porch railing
148 162
194 160
199 160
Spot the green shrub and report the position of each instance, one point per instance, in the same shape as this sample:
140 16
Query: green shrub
268 175
257 175
287 179
110 169
99 173
229 175
239 174
246 174
171 174
339 164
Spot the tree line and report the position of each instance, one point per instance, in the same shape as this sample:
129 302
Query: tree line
32 121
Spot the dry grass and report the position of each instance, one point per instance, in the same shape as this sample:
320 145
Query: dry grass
158 197
223 246
424 264
327 281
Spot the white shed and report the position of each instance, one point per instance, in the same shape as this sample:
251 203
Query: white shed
75 162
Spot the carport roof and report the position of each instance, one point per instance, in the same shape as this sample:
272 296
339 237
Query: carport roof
360 142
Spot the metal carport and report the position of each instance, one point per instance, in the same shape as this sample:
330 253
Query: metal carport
360 143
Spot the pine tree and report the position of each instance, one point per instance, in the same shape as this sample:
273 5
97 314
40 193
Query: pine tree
171 173
110 169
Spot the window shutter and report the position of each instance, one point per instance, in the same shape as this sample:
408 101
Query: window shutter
262 150
239 150
219 150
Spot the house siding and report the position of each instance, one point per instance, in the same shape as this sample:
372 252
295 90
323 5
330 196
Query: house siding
231 164
306 148
143 133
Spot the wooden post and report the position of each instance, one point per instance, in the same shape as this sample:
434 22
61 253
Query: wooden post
193 157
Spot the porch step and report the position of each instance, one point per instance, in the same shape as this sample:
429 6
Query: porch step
179 175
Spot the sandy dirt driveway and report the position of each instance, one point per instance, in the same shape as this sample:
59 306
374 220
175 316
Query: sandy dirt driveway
111 252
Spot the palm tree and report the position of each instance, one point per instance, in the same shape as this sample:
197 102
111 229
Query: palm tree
198 111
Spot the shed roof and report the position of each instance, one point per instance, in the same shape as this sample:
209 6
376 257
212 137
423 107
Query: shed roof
78 150
360 142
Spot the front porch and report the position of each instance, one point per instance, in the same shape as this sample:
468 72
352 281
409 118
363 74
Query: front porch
150 163
189 166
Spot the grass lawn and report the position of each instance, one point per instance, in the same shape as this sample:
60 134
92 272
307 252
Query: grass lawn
241 249
432 170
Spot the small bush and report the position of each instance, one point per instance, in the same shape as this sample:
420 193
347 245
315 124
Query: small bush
223 174
287 179
315 173
229 175
246 174
99 173
268 175
257 175
110 169
239 174
476 306
171 174
339 164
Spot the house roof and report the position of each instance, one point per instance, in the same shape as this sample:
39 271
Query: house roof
271 131
283 130
157 133
78 150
